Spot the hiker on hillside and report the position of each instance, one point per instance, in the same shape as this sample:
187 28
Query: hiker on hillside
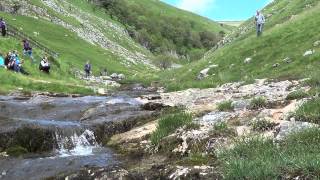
87 69
44 65
259 21
27 49
3 27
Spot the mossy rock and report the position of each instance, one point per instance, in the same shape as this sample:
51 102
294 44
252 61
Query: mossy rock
16 151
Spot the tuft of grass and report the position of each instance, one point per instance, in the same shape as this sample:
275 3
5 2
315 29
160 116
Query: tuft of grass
168 124
16 151
225 106
262 124
222 129
195 159
309 112
313 81
192 126
258 103
299 94
260 158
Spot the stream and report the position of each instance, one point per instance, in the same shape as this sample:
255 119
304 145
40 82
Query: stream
63 135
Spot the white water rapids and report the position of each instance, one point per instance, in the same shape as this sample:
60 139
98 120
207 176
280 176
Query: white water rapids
76 145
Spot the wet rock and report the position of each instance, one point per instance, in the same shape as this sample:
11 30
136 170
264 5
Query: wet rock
27 139
151 106
308 53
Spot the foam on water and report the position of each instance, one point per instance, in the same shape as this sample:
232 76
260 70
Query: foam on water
123 100
76 145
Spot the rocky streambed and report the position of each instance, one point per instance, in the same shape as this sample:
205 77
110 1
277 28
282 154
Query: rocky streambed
109 137
52 137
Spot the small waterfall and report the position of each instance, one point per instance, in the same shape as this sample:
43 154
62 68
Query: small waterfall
76 144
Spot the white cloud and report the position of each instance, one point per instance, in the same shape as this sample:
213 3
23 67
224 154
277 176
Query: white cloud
197 6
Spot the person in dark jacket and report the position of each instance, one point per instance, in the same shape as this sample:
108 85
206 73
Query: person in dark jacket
3 27
87 69
27 49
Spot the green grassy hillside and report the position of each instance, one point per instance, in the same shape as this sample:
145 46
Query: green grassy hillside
289 33
73 50
164 29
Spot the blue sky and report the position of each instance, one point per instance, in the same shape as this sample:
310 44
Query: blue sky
221 9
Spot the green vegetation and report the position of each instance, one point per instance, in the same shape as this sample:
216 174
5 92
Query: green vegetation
258 102
225 106
309 111
73 53
299 94
258 158
169 123
222 129
16 151
262 124
195 159
164 29
192 126
278 42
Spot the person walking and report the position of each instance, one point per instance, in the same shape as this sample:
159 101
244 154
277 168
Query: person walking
87 69
27 49
3 27
259 21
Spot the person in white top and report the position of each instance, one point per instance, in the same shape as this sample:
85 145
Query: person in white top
259 21
44 65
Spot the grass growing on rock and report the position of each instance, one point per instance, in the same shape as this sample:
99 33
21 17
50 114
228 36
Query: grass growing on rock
258 102
299 94
222 129
169 123
225 106
259 158
262 124
309 111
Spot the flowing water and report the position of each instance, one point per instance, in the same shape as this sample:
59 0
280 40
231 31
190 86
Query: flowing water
71 123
